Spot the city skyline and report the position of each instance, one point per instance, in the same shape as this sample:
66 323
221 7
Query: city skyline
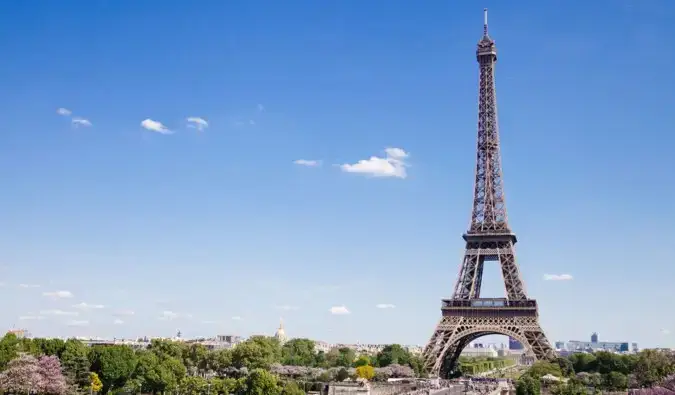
319 166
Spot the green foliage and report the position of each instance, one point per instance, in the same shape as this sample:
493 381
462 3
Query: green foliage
341 357
540 369
258 352
298 352
566 367
75 362
260 382
393 354
292 388
362 360
472 366
615 381
9 347
193 385
527 385
113 364
342 375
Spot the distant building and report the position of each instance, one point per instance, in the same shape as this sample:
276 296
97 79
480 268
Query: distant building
514 344
594 337
559 345
281 333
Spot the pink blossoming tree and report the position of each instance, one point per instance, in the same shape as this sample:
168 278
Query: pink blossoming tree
21 376
52 380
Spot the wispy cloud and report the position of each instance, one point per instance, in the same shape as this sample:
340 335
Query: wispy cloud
77 121
385 306
237 318
87 306
168 315
29 286
197 123
261 108
31 318
392 165
339 310
59 312
58 294
77 323
155 126
118 322
307 162
558 277
124 313
665 331
64 111
287 307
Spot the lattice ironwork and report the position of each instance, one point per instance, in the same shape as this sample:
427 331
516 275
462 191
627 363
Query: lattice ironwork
489 238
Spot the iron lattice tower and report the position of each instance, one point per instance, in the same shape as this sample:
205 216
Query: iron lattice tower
467 316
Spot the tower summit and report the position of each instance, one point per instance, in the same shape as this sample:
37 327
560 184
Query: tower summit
467 316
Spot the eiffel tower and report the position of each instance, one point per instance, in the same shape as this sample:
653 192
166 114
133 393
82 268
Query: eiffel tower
467 316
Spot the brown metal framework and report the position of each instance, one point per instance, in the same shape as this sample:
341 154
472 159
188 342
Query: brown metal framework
466 316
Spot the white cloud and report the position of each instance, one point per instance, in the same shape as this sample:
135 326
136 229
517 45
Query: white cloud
307 162
77 121
58 294
557 277
261 108
210 322
86 306
287 307
59 312
31 318
197 123
64 111
236 318
77 323
29 286
168 315
155 126
339 310
385 306
392 165
118 322
124 313
665 331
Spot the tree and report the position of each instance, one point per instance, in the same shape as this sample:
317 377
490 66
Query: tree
362 360
342 356
50 346
95 383
566 366
541 368
583 362
166 348
113 364
154 374
261 382
75 362
8 349
292 388
527 385
219 360
615 381
651 367
342 375
195 356
193 385
298 352
365 372
52 381
393 354
258 352
21 376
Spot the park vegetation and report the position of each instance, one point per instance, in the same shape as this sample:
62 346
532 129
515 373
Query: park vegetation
476 365
649 372
260 365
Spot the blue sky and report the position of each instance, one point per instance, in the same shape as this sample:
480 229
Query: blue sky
192 228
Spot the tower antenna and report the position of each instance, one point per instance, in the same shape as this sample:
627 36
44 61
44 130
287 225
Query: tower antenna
485 25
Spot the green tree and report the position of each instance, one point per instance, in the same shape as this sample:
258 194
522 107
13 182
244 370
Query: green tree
393 354
540 369
342 356
258 352
261 382
342 375
193 385
366 372
166 348
75 362
113 364
195 356
362 360
53 347
224 385
615 381
651 367
320 360
298 352
566 366
583 362
527 385
219 360
9 347
292 388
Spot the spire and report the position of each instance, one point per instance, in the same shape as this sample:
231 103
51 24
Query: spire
485 25
281 323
